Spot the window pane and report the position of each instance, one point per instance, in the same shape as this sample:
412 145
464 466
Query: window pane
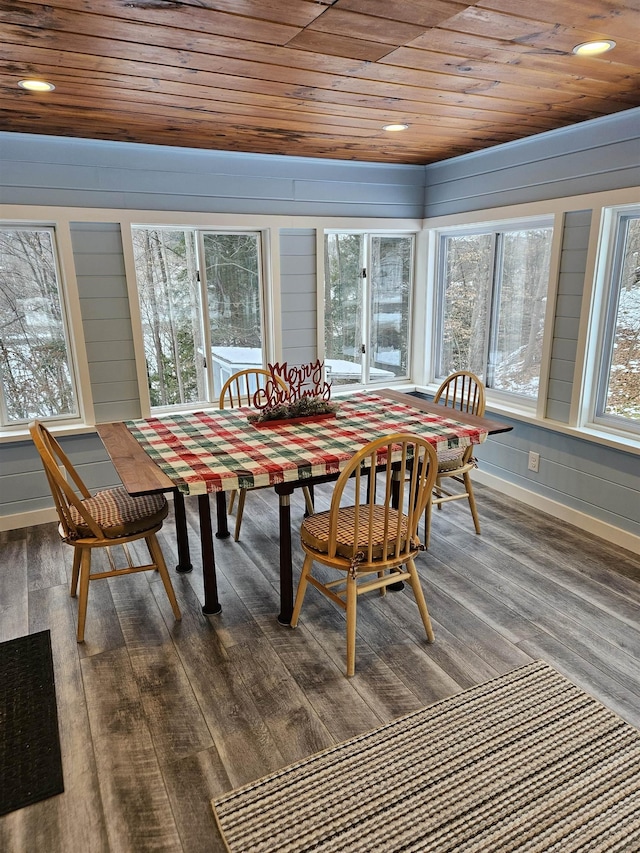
35 365
170 311
623 387
467 274
521 297
232 264
390 281
344 263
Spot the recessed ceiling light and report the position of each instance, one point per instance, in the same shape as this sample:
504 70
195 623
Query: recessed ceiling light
36 85
394 127
593 48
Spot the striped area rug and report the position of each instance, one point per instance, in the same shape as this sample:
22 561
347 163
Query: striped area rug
525 762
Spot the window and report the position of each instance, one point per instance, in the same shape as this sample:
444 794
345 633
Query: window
200 298
368 283
618 393
492 290
36 374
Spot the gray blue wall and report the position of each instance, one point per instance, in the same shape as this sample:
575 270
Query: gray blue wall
50 171
89 173
591 157
298 295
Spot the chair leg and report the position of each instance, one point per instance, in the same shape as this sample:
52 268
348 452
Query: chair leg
158 558
427 523
85 571
242 495
352 598
416 586
232 500
308 500
302 588
75 571
472 501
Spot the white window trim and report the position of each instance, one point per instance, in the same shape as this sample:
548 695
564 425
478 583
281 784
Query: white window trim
416 303
37 217
577 426
503 400
595 313
60 218
270 296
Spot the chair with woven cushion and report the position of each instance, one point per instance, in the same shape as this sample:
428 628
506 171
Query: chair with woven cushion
370 542
252 387
108 518
464 392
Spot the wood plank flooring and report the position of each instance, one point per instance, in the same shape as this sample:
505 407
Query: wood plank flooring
158 717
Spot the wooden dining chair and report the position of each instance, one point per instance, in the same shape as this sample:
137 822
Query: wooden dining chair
464 392
251 388
108 518
373 540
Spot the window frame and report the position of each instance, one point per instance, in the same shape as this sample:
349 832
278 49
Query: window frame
198 229
507 401
603 309
368 234
65 265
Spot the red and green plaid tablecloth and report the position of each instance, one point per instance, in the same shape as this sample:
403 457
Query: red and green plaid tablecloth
219 450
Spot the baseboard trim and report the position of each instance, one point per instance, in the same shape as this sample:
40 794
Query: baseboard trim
605 531
35 516
27 519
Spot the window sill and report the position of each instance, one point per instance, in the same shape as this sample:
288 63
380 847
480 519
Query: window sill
627 443
21 433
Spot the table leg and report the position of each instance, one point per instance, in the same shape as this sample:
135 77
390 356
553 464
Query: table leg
211 603
284 491
184 558
221 515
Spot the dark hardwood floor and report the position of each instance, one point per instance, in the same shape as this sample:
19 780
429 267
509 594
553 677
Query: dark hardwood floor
157 717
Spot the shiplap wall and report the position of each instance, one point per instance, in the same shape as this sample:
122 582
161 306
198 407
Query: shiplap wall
48 171
45 170
593 156
106 320
599 481
298 294
573 264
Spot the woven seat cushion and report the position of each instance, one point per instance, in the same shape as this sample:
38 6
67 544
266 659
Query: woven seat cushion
315 531
450 460
120 514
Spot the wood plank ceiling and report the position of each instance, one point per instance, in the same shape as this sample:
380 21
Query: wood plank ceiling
315 78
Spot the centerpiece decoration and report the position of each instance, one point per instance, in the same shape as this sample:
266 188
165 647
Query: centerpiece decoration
308 397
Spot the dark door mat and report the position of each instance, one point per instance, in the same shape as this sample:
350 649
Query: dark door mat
30 761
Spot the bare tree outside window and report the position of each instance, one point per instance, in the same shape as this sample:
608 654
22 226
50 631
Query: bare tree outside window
467 267
233 289
170 310
343 305
493 290
197 290
35 362
368 283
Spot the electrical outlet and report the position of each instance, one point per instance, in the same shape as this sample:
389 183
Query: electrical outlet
534 461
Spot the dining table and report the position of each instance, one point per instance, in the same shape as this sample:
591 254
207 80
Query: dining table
215 451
